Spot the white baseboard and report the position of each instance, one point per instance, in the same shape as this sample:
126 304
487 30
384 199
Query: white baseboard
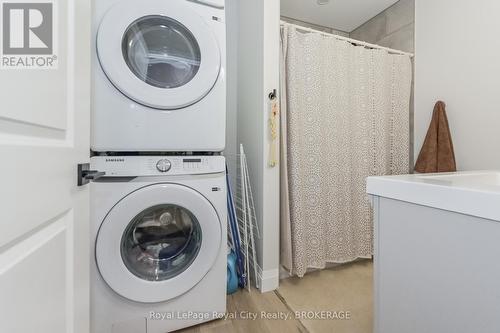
268 279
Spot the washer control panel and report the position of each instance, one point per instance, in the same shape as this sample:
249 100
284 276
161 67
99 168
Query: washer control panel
163 165
136 166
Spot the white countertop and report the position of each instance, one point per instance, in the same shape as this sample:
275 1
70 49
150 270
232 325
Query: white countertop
475 193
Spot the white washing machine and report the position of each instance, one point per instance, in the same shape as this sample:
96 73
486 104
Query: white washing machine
159 239
159 75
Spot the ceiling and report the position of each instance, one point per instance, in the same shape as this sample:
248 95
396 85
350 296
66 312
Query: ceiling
345 15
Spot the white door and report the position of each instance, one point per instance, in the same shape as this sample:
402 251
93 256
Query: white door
161 54
44 133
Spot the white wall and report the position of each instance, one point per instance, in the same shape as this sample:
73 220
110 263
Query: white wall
457 50
258 74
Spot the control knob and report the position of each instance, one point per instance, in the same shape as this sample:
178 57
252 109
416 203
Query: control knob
163 165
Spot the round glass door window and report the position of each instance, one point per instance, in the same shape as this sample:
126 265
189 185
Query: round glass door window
161 242
161 51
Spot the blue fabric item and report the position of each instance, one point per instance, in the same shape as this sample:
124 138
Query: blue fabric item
232 275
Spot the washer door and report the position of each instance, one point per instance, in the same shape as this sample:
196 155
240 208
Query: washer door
159 53
158 242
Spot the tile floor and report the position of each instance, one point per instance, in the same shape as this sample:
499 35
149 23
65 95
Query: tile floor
335 291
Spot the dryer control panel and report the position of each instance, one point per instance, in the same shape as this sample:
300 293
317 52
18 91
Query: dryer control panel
137 166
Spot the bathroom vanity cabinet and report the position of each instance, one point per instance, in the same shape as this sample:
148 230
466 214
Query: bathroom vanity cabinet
437 252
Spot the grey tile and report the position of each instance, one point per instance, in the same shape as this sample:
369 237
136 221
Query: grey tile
402 39
306 24
372 31
315 26
340 33
399 15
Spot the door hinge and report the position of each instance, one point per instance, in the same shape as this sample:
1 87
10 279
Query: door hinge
85 175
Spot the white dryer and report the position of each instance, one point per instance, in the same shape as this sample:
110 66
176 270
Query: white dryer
159 235
159 75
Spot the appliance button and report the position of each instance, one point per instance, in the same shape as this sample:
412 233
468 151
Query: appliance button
163 165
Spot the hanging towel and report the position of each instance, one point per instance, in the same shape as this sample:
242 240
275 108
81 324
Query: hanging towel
437 154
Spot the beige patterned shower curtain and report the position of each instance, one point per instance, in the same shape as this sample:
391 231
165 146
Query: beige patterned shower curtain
345 116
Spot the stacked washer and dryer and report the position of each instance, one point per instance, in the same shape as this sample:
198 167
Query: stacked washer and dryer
158 127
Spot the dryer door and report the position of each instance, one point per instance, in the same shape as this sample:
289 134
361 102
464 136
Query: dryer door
161 54
158 242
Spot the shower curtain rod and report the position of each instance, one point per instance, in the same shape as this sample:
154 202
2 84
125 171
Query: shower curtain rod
350 40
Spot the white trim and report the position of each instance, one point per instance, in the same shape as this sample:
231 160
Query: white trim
350 40
268 280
